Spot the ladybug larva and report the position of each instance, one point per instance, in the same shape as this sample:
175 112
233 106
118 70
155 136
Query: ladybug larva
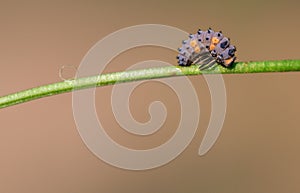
206 48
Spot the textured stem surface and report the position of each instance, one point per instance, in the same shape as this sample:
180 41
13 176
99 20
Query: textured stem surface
151 73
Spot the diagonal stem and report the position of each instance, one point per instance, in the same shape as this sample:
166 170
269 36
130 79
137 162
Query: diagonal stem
144 74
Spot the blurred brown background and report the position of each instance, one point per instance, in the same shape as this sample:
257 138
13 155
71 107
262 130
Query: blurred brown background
41 150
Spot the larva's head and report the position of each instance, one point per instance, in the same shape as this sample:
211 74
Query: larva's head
227 56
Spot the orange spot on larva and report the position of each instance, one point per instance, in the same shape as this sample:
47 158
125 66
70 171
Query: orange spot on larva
215 40
197 49
193 43
211 47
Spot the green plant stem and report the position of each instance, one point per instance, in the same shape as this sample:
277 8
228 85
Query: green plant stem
151 73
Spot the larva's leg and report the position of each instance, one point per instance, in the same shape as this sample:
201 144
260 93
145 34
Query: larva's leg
202 58
208 65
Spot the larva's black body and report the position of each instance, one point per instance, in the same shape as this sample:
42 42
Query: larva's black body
206 48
